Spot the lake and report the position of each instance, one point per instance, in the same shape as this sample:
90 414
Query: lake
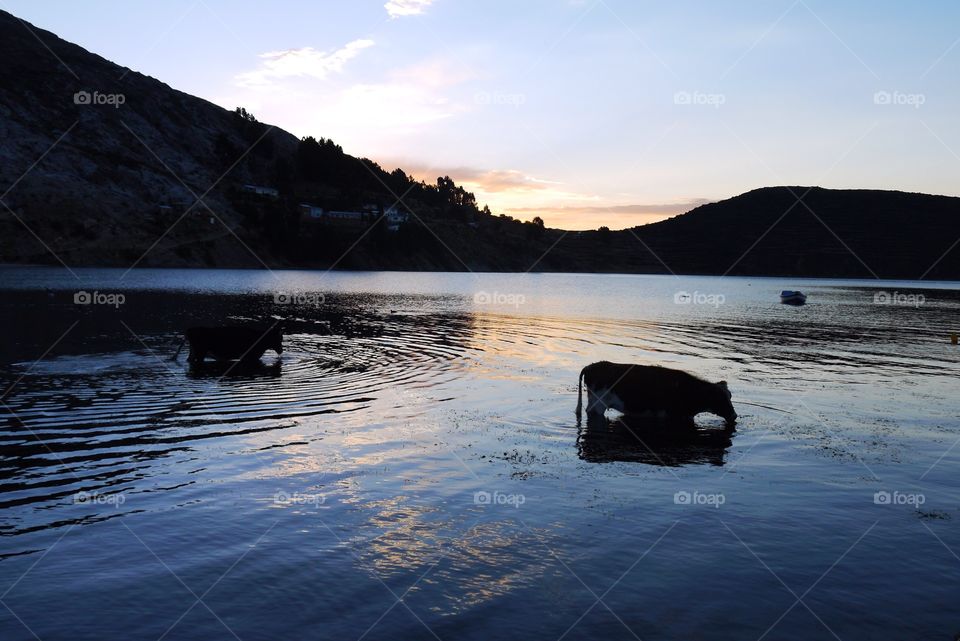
411 466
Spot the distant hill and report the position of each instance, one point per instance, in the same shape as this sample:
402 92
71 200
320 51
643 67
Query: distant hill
101 165
809 231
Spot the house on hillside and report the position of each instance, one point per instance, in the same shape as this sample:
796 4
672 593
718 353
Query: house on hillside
311 213
395 218
346 217
260 190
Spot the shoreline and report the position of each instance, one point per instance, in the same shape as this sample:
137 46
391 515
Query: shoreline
916 283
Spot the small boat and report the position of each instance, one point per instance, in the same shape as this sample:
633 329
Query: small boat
791 297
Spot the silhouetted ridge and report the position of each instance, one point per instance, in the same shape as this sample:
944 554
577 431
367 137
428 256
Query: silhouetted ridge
815 232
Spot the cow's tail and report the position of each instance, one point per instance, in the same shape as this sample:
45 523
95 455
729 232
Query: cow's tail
580 394
174 357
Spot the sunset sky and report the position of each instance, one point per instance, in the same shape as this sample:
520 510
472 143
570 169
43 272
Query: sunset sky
585 112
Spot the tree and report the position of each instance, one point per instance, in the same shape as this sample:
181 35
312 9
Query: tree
322 161
399 181
538 222
253 131
245 115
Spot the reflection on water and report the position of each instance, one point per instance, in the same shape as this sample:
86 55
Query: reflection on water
650 441
413 443
241 370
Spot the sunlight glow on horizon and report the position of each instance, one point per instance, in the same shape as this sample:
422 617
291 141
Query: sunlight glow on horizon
585 113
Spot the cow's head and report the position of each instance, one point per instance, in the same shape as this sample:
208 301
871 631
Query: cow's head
275 340
722 405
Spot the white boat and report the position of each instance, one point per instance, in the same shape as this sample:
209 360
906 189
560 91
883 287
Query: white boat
791 297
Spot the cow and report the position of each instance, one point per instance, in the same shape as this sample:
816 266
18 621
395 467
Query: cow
246 344
652 390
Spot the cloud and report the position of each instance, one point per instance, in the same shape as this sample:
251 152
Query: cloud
394 108
405 102
497 184
484 180
665 209
612 216
433 74
399 104
498 180
518 194
400 8
379 114
300 63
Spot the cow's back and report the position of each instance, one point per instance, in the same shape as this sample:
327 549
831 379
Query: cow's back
645 387
223 342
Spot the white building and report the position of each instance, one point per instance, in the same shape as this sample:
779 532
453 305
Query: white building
345 216
311 212
260 190
395 218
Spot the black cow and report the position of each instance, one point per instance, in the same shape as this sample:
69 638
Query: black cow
654 390
246 344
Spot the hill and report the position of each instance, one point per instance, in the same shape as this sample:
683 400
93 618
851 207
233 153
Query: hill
809 231
101 165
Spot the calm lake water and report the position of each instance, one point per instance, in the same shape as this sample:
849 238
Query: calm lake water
411 467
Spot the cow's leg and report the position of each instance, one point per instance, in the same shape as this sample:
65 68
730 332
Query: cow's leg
253 355
613 401
596 403
680 421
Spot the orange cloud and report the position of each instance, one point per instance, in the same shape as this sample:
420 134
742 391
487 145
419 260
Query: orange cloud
497 180
612 216
518 194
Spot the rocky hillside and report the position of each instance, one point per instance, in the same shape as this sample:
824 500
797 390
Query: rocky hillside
115 148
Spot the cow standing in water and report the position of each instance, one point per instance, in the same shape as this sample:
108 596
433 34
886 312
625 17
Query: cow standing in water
231 343
652 390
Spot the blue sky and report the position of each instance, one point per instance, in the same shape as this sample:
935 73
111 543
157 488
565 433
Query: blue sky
586 112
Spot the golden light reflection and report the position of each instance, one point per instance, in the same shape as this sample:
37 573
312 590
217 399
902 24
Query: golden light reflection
474 565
